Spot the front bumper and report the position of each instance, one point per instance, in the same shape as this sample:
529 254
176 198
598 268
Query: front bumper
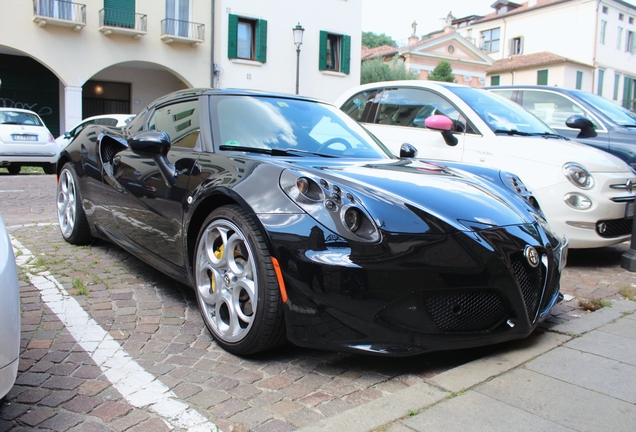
414 294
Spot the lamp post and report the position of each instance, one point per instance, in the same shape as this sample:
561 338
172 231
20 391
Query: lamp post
298 41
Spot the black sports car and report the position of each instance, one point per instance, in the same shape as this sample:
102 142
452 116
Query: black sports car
292 223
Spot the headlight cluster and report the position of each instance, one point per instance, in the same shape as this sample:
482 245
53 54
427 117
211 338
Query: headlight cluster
516 185
331 205
579 177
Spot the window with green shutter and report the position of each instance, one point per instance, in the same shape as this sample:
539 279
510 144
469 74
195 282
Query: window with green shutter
494 80
119 13
542 77
247 38
335 52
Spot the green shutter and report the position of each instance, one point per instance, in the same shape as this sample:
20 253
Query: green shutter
119 13
542 77
345 58
627 92
232 36
495 80
261 41
322 58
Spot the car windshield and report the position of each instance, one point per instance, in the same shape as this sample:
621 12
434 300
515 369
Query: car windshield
290 125
499 113
615 113
19 118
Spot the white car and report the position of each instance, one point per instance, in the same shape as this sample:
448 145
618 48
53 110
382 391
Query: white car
115 120
25 141
9 314
585 193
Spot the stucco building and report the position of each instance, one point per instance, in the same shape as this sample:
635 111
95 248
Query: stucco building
582 44
68 60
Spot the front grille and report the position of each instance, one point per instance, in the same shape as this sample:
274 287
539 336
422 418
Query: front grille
615 228
466 311
530 280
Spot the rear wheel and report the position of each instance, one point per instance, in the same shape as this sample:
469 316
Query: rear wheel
236 286
70 213
14 169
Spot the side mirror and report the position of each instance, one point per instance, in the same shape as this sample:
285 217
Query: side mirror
443 124
407 151
586 126
67 135
150 142
156 144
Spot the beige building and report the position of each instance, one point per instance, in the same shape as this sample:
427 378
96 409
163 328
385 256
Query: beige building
581 44
68 60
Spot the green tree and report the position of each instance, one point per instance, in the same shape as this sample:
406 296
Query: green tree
377 70
372 40
442 72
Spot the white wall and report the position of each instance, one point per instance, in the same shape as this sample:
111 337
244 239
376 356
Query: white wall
278 74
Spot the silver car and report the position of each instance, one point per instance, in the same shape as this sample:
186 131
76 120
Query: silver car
9 314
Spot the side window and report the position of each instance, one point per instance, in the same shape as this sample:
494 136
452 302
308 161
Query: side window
335 52
180 121
411 107
81 127
554 109
247 38
359 105
107 122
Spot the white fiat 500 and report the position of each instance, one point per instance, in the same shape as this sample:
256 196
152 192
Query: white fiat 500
585 193
25 141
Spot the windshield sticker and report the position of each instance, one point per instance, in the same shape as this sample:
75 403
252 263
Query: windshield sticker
232 143
283 104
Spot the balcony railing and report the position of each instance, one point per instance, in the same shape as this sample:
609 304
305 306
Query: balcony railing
61 13
122 22
173 30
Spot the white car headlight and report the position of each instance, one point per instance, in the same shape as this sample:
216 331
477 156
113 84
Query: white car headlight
578 175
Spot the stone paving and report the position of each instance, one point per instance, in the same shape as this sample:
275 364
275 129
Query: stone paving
157 323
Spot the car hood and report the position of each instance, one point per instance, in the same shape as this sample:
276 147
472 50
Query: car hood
450 198
557 152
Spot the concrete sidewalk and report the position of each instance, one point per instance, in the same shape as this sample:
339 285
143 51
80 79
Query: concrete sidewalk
578 375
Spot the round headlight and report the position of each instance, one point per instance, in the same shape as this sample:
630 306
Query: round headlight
577 201
352 219
578 175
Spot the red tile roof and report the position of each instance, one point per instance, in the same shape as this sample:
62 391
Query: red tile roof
530 60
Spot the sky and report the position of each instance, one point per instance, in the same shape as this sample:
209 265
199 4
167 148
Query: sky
394 17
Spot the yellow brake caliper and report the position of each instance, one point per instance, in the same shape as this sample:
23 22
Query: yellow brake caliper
218 253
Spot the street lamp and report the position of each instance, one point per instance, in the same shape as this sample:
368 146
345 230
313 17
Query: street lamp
298 41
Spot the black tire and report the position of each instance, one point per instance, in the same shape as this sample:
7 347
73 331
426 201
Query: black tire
14 169
237 292
70 213
49 168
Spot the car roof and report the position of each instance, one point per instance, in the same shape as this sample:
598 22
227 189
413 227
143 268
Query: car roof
195 92
535 87
19 110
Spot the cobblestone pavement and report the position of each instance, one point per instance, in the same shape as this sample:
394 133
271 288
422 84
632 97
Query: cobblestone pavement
156 323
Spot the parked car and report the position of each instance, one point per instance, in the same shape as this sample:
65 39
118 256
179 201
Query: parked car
114 120
25 141
292 223
585 193
579 115
9 314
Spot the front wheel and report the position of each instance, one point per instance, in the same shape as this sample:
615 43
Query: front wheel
236 286
70 213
